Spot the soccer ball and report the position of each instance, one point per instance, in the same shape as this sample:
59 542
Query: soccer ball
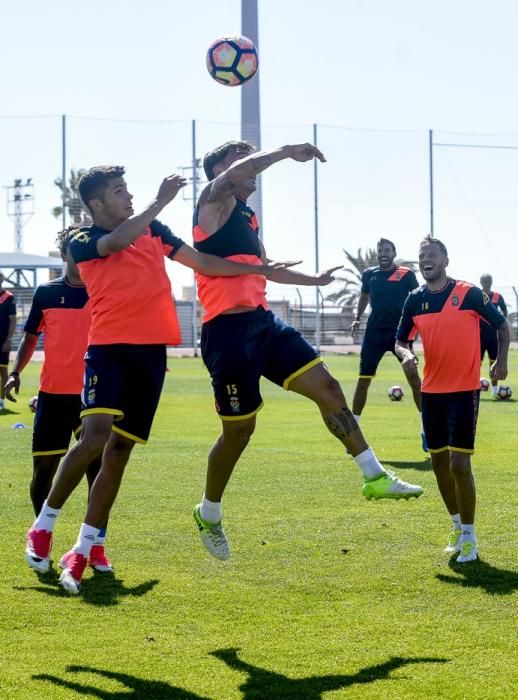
33 404
484 384
395 393
504 392
232 60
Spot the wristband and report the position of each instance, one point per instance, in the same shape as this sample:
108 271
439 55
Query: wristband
14 373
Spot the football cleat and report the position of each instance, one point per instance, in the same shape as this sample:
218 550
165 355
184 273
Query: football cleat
37 550
73 565
388 485
468 551
98 559
453 542
212 535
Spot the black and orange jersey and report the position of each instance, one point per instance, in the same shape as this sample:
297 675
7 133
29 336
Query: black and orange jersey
61 311
498 302
130 291
388 290
448 323
7 310
237 240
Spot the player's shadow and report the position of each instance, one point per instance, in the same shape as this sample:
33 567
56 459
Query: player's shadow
103 589
136 688
262 684
480 574
420 465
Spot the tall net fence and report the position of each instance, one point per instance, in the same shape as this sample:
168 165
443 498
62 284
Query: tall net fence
375 183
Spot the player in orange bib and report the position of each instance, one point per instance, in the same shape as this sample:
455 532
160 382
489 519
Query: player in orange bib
61 311
121 261
446 312
242 340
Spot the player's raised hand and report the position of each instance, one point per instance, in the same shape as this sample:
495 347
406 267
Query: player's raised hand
326 277
12 383
306 151
170 187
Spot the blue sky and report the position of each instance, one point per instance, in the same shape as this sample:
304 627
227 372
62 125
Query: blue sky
375 75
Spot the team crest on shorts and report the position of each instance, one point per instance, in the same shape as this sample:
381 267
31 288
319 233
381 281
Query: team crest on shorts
90 398
455 300
234 404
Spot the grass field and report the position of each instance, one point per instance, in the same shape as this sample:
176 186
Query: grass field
326 595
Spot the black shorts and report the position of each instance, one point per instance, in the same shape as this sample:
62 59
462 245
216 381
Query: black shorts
125 381
57 419
450 420
375 344
239 349
488 342
4 359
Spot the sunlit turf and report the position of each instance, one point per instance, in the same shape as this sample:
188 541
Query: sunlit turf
326 595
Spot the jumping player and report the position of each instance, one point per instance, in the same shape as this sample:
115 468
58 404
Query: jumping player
446 312
61 311
488 337
7 328
242 340
385 287
121 261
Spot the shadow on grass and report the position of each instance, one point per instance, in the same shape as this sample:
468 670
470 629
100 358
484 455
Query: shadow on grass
262 684
420 465
480 574
103 589
139 688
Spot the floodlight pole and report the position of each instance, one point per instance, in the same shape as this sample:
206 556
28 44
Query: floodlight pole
63 169
430 174
194 317
317 261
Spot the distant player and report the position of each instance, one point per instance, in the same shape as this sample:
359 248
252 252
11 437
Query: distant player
121 261
446 312
385 287
488 336
242 340
61 311
7 328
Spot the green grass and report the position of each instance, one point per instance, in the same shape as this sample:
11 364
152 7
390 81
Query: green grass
326 595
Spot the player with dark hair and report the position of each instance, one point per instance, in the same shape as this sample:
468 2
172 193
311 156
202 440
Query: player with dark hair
488 336
61 311
446 312
385 286
7 328
121 261
242 341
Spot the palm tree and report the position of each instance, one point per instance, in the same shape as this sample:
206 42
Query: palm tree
347 296
71 200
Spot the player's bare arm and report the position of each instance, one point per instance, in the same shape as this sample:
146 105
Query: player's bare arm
283 275
409 361
23 356
132 228
498 369
215 266
363 302
228 183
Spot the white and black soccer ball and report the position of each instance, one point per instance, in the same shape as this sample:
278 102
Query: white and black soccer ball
484 384
33 403
504 392
395 393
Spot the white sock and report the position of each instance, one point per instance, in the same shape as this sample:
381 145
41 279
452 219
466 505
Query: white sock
46 518
210 511
369 464
101 537
494 389
421 417
468 531
357 418
86 539
455 522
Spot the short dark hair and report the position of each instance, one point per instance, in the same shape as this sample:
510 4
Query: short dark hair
214 157
93 183
486 276
430 239
383 241
64 237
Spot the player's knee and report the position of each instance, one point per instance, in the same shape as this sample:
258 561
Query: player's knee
331 392
239 437
460 463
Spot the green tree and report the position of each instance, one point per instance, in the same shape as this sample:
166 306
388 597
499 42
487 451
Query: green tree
347 295
71 200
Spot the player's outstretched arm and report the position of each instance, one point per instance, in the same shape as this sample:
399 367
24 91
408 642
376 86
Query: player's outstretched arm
320 279
23 356
214 266
132 228
228 183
